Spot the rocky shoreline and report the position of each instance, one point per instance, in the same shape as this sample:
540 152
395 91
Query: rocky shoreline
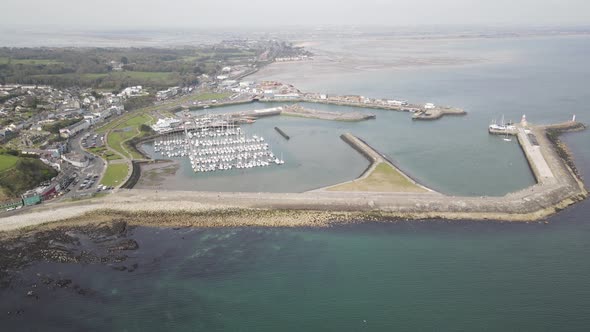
106 243
105 237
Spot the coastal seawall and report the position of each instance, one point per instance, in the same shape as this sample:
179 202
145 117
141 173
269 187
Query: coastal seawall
550 195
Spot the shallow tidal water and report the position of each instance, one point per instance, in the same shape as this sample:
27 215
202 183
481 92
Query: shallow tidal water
407 276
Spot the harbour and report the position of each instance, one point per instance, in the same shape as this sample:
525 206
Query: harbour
202 263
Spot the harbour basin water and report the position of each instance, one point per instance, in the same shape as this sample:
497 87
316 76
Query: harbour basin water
316 156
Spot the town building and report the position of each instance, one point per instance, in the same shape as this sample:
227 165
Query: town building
74 129
168 93
132 91
76 160
165 125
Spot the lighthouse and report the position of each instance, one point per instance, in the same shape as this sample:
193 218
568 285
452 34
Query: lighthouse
523 121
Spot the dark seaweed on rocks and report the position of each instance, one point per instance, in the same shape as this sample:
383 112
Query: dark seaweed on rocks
92 244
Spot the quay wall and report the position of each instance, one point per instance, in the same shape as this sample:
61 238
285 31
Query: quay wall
359 146
134 177
351 141
438 113
408 108
223 104
435 114
528 158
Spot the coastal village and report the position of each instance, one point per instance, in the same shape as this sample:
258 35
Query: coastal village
55 126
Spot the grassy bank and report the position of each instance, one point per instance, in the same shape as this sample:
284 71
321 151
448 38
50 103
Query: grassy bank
22 175
7 162
124 131
383 178
115 174
104 153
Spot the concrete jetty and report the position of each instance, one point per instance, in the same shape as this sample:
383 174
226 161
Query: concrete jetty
532 150
437 113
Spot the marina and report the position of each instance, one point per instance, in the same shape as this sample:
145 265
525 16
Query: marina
216 143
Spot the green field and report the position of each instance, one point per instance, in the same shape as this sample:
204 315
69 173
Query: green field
126 129
108 126
384 178
105 153
135 121
115 139
159 78
7 162
5 60
115 175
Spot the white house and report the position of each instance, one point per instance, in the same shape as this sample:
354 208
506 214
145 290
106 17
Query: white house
398 102
76 160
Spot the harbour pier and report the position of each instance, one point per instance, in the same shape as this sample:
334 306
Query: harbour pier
436 113
299 111
427 111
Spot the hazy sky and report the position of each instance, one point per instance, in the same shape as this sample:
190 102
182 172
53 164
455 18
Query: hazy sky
203 13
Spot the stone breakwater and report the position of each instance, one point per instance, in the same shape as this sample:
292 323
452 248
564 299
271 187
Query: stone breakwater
322 208
299 111
375 158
